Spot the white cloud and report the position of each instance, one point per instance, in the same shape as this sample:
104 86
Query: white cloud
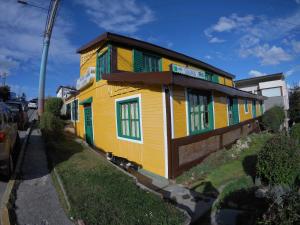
257 35
269 55
216 40
226 24
256 73
289 72
297 1
125 16
21 37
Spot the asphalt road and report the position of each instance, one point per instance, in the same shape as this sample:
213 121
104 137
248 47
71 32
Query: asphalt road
32 114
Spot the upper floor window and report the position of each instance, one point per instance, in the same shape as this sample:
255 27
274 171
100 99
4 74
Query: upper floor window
103 64
200 112
144 62
272 92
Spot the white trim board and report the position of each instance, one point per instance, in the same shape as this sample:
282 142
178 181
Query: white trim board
165 132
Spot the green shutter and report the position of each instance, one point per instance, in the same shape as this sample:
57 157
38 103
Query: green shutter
235 111
137 61
253 108
208 76
215 78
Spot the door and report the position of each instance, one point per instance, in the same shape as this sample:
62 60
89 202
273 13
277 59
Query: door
254 108
88 122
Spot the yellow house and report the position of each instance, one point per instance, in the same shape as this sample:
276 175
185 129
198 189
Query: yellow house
158 108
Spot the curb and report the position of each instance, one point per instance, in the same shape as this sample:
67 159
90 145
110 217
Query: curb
5 208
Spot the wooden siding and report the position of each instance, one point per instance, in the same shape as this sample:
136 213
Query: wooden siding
179 112
150 153
220 106
124 59
243 115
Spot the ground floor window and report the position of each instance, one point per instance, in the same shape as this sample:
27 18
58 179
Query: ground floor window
246 106
68 111
128 118
200 112
233 112
74 114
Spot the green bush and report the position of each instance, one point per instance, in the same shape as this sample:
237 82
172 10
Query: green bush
51 124
53 105
295 132
286 212
273 118
278 161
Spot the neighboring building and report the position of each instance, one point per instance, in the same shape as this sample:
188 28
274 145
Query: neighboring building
160 109
272 86
65 92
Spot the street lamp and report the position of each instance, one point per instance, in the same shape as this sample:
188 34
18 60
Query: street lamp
52 12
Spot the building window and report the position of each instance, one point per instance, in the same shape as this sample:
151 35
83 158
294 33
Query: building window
233 111
128 119
74 114
151 63
272 92
246 106
68 111
103 64
144 62
199 112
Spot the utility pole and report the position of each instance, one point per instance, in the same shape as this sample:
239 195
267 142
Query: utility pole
52 12
47 37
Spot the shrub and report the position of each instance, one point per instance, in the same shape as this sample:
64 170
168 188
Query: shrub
295 132
53 105
273 118
278 161
51 124
285 212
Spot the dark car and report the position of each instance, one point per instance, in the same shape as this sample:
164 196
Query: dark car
20 115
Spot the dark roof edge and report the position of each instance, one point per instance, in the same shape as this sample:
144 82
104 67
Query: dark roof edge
261 77
107 36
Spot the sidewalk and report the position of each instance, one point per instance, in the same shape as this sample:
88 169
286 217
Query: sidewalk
36 201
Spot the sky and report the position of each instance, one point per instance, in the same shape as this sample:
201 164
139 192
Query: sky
246 38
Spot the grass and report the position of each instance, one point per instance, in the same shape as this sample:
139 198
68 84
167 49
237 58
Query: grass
234 165
101 194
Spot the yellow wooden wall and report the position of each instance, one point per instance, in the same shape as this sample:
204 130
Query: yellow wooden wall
179 112
220 110
149 154
243 115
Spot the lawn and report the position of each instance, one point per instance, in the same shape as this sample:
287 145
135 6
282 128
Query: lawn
228 170
101 194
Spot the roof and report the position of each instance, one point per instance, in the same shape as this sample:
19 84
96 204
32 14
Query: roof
61 86
256 80
170 78
131 42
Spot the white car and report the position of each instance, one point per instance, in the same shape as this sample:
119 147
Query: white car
32 105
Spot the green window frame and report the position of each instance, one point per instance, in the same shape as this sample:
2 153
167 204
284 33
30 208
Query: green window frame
128 119
246 106
103 65
74 115
200 112
146 62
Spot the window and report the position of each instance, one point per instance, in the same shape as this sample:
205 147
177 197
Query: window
103 64
233 111
143 62
246 106
199 112
74 114
151 63
128 119
68 111
271 92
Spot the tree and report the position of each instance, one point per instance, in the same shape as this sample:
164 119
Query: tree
4 92
23 96
294 101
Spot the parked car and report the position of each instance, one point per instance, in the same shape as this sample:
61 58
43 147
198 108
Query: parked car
9 138
19 114
32 105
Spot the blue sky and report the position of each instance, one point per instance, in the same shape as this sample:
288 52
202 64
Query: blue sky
246 38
